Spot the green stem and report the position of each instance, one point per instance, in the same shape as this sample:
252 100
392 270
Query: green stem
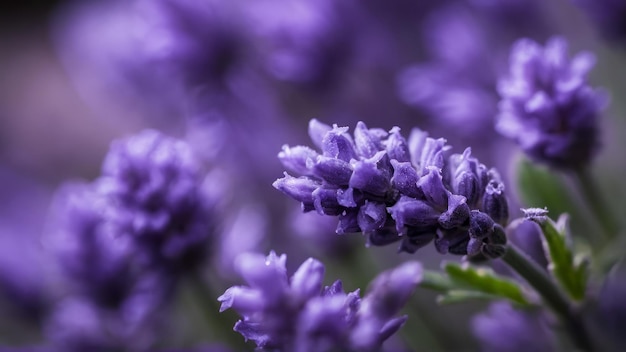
538 278
592 194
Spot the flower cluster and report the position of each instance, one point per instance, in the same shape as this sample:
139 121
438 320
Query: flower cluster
155 184
391 188
297 314
547 105
122 239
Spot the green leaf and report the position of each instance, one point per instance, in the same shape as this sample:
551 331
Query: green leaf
570 272
436 281
485 281
459 283
461 296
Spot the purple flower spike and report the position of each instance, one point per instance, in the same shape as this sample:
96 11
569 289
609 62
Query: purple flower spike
349 173
155 183
548 107
401 190
297 314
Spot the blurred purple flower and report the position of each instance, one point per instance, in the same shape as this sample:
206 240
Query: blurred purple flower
80 324
447 99
454 88
297 314
455 38
608 15
548 107
154 184
150 57
93 258
123 240
394 189
306 41
504 328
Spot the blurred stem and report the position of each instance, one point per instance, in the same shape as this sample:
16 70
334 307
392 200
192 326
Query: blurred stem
538 278
592 194
206 299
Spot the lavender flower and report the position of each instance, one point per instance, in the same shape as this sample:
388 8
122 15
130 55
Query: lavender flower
394 189
547 105
297 314
608 15
503 328
81 324
154 183
112 297
306 41
151 49
122 239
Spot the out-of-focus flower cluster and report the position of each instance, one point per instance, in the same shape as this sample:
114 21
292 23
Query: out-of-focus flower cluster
547 105
124 239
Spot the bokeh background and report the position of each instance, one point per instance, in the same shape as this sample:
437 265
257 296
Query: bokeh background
240 78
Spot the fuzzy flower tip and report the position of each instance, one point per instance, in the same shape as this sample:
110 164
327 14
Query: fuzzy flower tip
155 184
392 188
300 314
547 105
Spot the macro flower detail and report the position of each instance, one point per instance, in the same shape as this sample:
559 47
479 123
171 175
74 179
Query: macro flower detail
299 314
394 189
547 105
155 184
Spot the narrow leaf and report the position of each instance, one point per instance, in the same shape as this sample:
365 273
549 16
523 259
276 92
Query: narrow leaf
571 274
460 296
486 282
436 281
